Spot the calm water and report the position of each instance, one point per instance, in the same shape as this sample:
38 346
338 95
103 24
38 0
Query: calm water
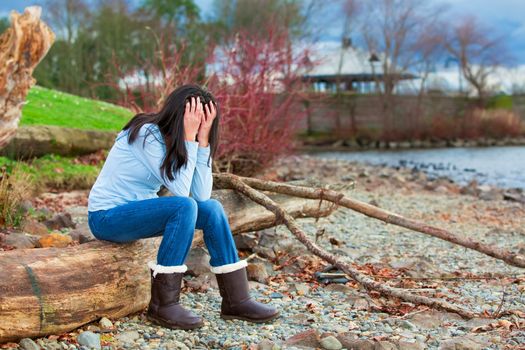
500 166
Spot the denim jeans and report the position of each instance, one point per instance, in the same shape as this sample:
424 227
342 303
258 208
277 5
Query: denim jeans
175 218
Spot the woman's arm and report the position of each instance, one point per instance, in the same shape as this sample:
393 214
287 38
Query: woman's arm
152 156
202 178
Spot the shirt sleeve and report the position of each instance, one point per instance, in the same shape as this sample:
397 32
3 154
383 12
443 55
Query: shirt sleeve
152 155
202 182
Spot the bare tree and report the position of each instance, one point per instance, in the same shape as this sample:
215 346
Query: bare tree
478 51
67 16
396 32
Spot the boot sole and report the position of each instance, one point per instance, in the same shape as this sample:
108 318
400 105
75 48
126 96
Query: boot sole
164 323
263 320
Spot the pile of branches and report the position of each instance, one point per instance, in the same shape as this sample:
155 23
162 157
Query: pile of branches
253 189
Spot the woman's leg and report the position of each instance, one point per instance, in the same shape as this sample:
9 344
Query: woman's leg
173 217
213 221
230 272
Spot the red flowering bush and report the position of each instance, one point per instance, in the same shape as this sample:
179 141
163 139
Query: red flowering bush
255 81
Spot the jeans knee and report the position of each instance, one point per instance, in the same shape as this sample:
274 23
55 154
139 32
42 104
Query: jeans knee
212 209
189 207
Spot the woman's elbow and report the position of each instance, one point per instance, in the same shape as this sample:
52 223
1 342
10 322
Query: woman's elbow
201 197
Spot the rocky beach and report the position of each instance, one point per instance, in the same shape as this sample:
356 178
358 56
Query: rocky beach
320 307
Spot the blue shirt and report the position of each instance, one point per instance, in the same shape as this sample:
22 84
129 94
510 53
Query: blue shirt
131 172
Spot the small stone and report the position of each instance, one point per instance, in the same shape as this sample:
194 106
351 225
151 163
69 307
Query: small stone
350 341
265 345
257 272
245 241
408 325
385 345
55 239
89 339
60 220
307 338
105 323
28 344
128 337
82 234
407 345
461 343
276 295
198 261
331 343
301 288
34 227
21 240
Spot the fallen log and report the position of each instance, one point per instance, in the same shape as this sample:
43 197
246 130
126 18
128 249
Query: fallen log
22 47
55 290
38 140
236 183
511 258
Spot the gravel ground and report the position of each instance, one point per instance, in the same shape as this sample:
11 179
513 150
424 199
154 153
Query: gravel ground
316 314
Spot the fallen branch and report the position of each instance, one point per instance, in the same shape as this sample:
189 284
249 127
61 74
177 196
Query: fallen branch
236 183
377 213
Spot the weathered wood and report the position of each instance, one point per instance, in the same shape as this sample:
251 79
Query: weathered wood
38 140
22 47
54 290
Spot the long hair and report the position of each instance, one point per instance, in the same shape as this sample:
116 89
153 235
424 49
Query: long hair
170 121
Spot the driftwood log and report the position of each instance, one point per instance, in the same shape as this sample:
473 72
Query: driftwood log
55 290
38 140
22 47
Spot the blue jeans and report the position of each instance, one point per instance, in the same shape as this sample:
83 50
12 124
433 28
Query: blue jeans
175 218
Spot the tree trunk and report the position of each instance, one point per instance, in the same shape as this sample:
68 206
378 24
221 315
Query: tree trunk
38 140
54 290
22 47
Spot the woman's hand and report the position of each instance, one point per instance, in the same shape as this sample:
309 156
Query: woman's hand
210 112
193 116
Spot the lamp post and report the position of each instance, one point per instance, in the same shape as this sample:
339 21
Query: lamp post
460 73
374 59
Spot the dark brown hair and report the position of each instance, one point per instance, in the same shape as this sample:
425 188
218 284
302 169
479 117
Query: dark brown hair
170 121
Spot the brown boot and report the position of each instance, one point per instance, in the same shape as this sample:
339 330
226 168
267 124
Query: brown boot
164 308
236 300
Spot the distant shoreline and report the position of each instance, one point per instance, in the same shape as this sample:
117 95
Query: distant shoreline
342 145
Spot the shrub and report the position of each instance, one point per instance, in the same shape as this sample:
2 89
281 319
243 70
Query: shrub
257 82
15 187
499 123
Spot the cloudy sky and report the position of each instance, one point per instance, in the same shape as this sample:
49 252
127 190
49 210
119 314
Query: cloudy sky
505 16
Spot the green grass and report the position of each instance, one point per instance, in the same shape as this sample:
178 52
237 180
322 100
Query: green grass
55 172
52 107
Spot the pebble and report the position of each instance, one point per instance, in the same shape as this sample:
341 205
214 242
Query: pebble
89 339
330 343
28 344
105 323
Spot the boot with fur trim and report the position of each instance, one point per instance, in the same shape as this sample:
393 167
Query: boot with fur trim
236 300
164 308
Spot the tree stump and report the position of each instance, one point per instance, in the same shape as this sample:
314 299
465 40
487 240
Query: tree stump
22 47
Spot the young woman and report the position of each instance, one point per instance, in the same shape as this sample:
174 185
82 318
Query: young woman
174 148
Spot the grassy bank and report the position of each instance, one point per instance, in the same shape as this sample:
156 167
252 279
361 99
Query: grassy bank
55 172
51 107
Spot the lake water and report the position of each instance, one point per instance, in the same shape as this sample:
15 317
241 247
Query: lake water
500 166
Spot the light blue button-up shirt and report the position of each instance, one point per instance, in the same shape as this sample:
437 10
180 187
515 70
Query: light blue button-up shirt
132 172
